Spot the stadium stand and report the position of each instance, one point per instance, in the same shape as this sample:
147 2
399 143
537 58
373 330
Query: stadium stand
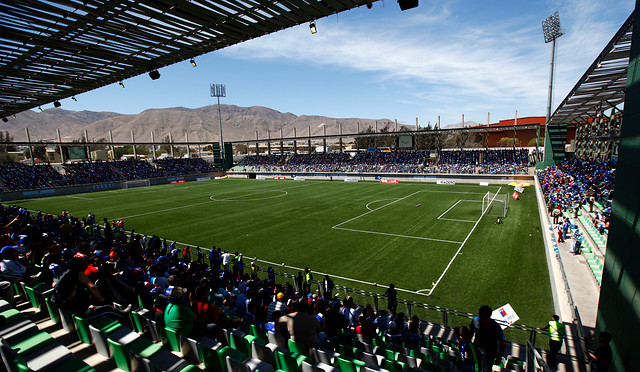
221 324
29 177
494 161
20 177
581 190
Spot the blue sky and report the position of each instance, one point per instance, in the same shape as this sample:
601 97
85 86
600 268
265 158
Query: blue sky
444 58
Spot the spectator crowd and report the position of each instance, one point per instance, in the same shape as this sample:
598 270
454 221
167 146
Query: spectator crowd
26 177
411 161
98 268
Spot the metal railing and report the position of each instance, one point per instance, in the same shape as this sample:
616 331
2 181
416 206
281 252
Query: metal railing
534 361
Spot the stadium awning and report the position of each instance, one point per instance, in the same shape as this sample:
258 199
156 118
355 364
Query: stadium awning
603 84
55 49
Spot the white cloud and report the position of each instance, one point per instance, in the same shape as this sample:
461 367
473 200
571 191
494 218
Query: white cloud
471 65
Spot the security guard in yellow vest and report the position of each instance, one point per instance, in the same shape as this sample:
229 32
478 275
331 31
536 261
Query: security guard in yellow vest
556 337
308 277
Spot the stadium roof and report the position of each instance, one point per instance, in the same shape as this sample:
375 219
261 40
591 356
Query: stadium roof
55 49
603 84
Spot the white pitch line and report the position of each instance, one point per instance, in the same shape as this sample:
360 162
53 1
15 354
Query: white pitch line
337 276
373 210
397 235
459 249
375 201
451 207
454 192
453 219
78 197
165 210
315 272
182 206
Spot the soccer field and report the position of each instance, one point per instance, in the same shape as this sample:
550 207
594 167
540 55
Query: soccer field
430 240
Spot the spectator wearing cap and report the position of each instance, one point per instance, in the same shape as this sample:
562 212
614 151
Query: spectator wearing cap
277 305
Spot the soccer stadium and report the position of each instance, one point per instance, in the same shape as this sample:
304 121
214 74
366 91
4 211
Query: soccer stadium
507 246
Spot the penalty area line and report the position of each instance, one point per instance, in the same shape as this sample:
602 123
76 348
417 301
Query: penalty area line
450 208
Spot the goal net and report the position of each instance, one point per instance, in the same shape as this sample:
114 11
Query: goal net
135 183
495 204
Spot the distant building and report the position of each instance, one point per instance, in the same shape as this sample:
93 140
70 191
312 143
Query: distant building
524 136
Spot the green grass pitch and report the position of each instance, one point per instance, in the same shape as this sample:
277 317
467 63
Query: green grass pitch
411 234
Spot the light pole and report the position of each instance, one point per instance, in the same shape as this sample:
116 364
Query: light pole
219 90
551 30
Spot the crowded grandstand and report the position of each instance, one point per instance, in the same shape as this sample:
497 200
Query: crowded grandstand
266 263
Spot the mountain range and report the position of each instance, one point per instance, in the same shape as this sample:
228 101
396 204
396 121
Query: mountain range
199 124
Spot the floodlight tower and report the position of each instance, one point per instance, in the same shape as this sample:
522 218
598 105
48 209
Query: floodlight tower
219 90
551 30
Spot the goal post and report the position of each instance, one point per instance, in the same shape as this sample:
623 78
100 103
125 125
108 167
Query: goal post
136 183
495 205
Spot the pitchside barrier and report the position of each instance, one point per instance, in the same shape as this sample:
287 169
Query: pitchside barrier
441 317
441 320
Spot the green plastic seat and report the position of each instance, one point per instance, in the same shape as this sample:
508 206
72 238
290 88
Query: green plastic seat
393 366
31 343
120 355
53 310
11 316
173 339
216 360
144 348
138 320
238 342
378 341
32 296
347 351
82 327
297 347
259 333
287 362
346 365
105 324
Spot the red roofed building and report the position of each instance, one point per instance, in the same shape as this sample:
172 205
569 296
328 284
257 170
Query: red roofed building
523 135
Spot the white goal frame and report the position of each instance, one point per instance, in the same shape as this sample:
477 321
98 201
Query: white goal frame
495 204
136 183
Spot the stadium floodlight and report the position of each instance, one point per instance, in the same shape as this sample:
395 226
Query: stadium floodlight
551 31
551 28
312 27
56 104
193 62
219 90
